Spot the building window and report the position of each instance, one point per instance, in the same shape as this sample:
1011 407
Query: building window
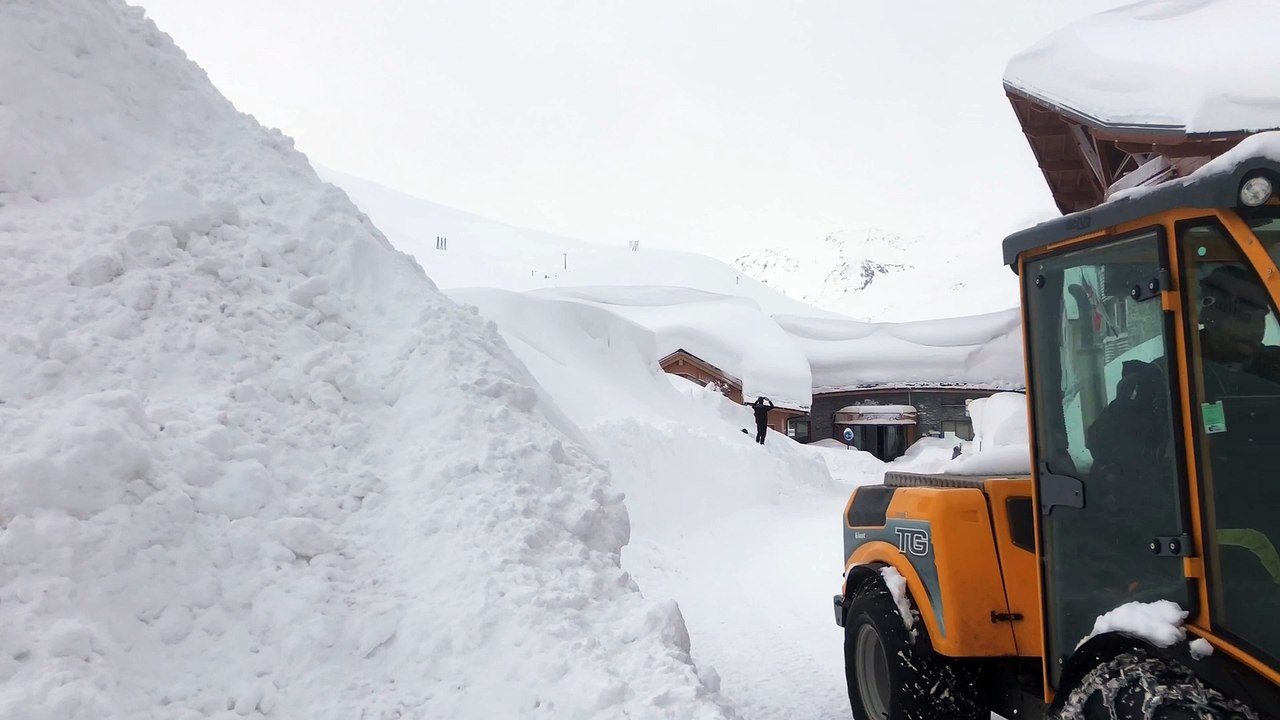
798 429
886 442
962 429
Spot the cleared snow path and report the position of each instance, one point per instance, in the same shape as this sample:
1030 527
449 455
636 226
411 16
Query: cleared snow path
756 588
747 540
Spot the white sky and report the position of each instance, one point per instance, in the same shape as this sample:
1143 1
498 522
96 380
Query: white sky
709 126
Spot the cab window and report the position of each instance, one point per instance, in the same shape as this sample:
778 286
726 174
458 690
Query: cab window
1233 338
1106 449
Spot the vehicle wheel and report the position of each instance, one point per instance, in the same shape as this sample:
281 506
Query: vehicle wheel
891 677
1136 685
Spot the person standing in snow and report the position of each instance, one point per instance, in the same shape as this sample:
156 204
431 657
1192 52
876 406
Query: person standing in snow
762 416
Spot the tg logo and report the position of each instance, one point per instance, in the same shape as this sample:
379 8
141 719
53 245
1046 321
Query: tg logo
913 541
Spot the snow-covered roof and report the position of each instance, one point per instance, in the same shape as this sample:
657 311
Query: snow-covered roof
878 409
876 415
981 350
732 333
924 385
1184 67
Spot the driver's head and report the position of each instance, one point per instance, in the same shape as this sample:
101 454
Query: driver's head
1233 311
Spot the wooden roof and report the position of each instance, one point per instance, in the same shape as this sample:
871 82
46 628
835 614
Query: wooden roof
1085 160
668 362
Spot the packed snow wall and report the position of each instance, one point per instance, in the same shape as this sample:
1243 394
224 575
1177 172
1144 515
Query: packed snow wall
255 462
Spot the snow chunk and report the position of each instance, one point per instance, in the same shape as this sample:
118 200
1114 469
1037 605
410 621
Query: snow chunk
242 490
898 589
306 292
304 536
70 639
96 270
80 459
1159 623
1200 648
179 210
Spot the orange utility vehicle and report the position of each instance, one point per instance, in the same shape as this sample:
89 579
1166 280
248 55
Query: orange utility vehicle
1153 374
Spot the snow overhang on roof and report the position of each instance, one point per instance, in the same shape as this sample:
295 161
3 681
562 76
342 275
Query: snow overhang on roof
876 415
919 386
1181 68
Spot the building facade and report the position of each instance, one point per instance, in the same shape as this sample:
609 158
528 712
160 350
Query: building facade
695 369
909 413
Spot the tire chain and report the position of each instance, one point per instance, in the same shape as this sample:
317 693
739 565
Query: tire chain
1160 683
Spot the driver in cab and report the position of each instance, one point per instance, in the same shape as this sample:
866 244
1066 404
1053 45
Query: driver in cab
1233 313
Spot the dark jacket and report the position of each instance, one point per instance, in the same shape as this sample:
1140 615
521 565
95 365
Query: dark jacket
762 406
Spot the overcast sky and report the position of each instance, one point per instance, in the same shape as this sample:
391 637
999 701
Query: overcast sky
713 125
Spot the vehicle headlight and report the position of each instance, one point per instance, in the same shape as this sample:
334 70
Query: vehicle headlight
1255 191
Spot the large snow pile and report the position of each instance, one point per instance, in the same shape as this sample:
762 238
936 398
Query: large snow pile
1000 443
708 505
256 462
1198 66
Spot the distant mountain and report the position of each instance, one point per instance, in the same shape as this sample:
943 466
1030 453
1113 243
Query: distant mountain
878 275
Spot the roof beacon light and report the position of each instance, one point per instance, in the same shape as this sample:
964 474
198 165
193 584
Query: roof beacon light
1255 191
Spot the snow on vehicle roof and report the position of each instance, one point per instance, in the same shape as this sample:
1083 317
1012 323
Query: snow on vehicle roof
1182 66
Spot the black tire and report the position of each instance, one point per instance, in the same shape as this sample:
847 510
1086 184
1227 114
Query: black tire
892 677
1139 686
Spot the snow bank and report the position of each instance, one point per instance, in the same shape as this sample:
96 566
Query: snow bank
675 448
1199 66
258 464
1000 443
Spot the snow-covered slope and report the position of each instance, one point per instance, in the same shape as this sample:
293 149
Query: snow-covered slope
719 313
486 253
877 275
256 463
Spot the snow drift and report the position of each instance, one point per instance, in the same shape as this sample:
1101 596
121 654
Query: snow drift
257 463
